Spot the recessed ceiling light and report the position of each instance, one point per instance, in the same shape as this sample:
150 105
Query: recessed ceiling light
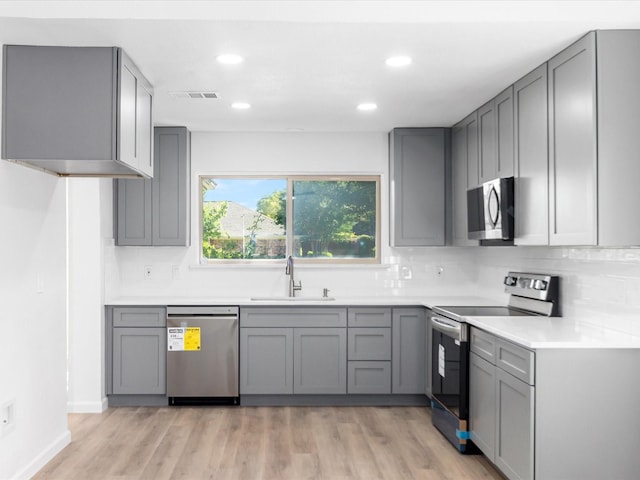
240 105
399 61
229 59
367 106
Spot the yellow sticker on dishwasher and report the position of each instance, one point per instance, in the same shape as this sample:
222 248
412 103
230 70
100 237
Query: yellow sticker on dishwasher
192 338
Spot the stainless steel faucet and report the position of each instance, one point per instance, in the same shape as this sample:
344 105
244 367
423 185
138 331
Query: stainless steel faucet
292 283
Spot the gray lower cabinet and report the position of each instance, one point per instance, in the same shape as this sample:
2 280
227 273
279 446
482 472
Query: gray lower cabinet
137 346
408 350
293 350
514 426
156 211
266 363
418 159
501 403
320 361
369 350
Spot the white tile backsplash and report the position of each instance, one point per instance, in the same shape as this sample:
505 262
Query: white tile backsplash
599 286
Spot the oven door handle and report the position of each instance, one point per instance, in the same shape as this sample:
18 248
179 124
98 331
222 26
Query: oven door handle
446 328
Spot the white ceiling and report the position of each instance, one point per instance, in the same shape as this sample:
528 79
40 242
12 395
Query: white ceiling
309 63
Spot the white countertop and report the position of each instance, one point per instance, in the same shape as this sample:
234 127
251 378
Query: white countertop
531 332
556 332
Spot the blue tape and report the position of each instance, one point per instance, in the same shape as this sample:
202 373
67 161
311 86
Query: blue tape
463 434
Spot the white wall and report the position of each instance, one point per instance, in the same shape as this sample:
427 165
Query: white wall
404 271
33 320
90 228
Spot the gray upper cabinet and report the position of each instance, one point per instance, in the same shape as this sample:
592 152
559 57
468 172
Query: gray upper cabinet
573 145
531 162
156 211
459 185
418 158
594 143
472 132
504 132
408 350
487 136
495 137
76 111
618 77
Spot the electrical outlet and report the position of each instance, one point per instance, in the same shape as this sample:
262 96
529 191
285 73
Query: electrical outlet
7 417
175 271
148 272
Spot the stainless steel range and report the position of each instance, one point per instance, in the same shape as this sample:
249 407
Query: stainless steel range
530 295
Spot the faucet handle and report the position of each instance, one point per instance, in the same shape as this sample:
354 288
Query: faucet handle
298 286
325 292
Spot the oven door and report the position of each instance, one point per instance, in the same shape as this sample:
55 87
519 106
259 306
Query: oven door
449 371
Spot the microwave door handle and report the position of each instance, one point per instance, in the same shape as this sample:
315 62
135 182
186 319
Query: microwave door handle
493 200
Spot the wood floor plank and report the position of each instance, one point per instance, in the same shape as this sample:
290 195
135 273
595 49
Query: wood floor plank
261 443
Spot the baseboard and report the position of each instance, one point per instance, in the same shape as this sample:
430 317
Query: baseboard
87 407
44 457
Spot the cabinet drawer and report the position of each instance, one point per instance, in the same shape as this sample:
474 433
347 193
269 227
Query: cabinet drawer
369 377
483 344
293 317
369 343
369 317
139 317
516 360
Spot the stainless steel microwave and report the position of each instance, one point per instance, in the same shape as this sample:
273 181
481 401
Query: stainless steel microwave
490 214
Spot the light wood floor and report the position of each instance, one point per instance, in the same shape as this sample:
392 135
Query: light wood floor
250 443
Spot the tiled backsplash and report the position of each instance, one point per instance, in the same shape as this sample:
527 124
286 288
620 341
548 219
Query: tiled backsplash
598 286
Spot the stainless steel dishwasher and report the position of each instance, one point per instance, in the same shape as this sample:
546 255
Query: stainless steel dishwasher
202 355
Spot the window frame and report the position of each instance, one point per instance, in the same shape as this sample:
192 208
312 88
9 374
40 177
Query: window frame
289 237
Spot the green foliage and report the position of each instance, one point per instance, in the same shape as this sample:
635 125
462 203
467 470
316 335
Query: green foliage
330 212
274 206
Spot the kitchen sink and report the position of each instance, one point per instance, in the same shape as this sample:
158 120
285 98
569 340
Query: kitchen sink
292 299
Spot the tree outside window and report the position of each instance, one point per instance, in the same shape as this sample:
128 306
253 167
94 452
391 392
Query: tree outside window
332 218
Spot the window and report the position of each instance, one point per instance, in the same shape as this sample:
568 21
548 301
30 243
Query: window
316 218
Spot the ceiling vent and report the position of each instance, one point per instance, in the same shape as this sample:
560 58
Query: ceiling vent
197 95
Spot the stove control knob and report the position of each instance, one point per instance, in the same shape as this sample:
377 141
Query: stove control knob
510 281
540 285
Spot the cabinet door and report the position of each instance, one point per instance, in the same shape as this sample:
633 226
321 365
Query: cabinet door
139 360
514 426
133 212
487 164
417 167
58 103
144 129
320 360
482 404
504 131
459 186
471 135
408 350
171 187
532 168
127 107
266 361
573 155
